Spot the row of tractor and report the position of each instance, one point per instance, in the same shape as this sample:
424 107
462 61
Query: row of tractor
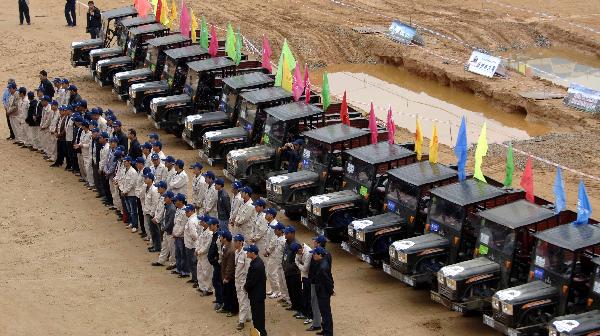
480 247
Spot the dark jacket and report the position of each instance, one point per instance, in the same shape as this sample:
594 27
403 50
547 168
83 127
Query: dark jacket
289 260
31 112
256 280
94 19
169 218
312 269
228 262
47 88
223 205
123 141
324 278
74 98
37 120
213 250
77 138
135 151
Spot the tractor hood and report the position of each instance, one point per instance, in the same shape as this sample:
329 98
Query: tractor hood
376 223
577 324
178 99
247 154
470 268
234 132
420 244
87 43
155 85
536 290
285 180
106 51
196 119
114 60
145 72
331 199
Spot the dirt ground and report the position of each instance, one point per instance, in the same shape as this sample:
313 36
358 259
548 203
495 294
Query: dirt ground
69 268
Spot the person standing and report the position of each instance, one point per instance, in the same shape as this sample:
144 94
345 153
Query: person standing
303 258
134 145
199 186
291 271
204 268
123 140
94 20
213 259
324 287
243 220
275 268
209 206
241 270
24 11
128 184
169 164
165 218
46 123
270 238
223 204
179 181
140 193
85 141
230 303
45 85
190 240
236 203
178 231
314 302
70 13
151 202
158 168
255 286
260 227
29 119
5 102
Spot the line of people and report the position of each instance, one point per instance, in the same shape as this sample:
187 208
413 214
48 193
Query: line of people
228 247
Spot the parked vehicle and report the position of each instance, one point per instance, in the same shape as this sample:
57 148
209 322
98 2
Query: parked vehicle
363 194
502 255
560 274
584 324
196 125
451 230
153 64
406 201
80 50
203 87
172 78
250 124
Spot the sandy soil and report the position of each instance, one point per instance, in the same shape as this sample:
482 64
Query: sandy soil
69 268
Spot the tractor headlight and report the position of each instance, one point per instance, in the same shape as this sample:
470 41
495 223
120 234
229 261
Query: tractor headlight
153 106
451 283
277 189
317 211
189 126
360 235
116 81
132 93
350 232
495 303
552 332
402 257
308 207
440 278
392 251
507 308
268 185
98 67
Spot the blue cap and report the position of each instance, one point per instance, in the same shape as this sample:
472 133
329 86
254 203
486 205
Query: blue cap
47 98
289 229
54 103
104 135
180 197
72 88
118 154
121 147
82 103
153 136
127 158
149 176
56 80
147 145
204 218
116 123
114 139
84 123
197 165
75 104
157 144
140 160
31 95
319 250
226 235
189 207
169 159
94 111
237 185
11 86
154 156
111 117
295 247
95 129
278 226
239 237
147 171
167 194
179 163
93 123
247 190
65 81
298 142
209 174
259 202
213 221
22 89
271 211
251 249
220 182
320 239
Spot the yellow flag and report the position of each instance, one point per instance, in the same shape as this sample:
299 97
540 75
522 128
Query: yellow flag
194 26
433 145
173 17
480 152
164 13
286 80
419 140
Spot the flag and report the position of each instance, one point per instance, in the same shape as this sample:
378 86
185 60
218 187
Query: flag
391 127
144 7
460 150
480 152
173 15
305 82
584 209
193 26
266 54
286 81
164 14
158 10
510 166
135 4
184 22
306 85
297 86
285 50
373 125
238 47
325 98
230 42
560 200
419 140
203 33
344 111
527 180
433 145
213 48
154 7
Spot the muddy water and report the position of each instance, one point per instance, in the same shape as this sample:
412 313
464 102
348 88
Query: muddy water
410 95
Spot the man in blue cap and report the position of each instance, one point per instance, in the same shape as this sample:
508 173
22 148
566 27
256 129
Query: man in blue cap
209 206
190 240
260 226
62 95
146 148
178 229
291 271
97 117
199 186
169 163
230 303
236 203
151 201
223 204
140 193
22 108
158 168
241 270
85 142
29 120
303 258
203 268
318 241
74 97
270 237
179 181
118 132
112 178
127 187
59 134
274 266
46 128
213 259
255 286
157 148
324 287
8 93
70 155
245 217
166 220
153 137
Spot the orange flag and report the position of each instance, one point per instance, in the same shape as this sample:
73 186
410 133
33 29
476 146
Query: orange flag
344 111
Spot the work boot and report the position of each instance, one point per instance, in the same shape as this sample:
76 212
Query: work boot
240 326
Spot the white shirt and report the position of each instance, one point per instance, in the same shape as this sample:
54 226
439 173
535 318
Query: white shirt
179 183
190 232
128 182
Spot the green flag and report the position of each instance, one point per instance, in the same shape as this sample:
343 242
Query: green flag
325 92
238 47
230 42
510 167
290 60
204 33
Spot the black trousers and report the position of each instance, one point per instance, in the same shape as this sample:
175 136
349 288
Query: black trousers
294 286
24 12
12 133
94 32
69 154
257 308
306 306
97 183
192 262
217 283
325 308
154 232
61 152
230 302
70 14
106 186
140 214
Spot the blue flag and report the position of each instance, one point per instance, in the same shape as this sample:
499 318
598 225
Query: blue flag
584 209
460 150
560 200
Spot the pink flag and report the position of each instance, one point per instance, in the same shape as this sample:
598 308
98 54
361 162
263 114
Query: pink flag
143 8
297 87
184 24
266 55
213 47
305 75
373 125
391 127
306 85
